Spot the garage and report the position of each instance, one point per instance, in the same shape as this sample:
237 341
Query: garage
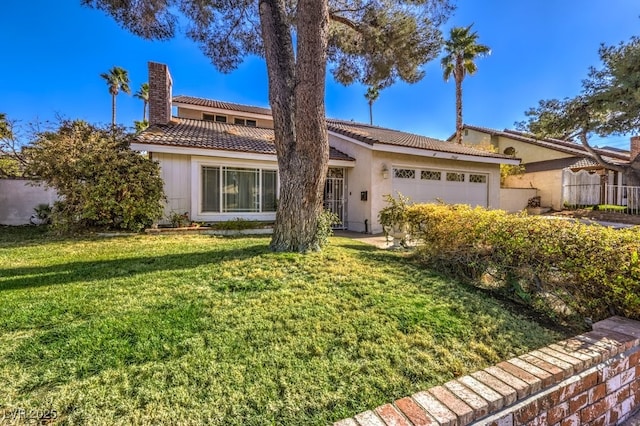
449 186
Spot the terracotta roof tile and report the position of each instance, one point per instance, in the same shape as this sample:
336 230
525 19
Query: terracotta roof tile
565 146
379 135
196 133
212 135
210 103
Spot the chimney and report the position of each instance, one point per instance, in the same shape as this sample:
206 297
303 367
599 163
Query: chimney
160 85
635 148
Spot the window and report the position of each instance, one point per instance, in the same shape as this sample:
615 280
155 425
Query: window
510 151
455 177
430 175
211 189
478 178
240 190
269 188
235 189
245 122
214 117
404 173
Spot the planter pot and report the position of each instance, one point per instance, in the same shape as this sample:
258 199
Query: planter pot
399 234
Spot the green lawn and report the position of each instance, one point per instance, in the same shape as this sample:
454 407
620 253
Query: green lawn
205 330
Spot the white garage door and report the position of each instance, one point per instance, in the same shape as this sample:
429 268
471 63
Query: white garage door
452 187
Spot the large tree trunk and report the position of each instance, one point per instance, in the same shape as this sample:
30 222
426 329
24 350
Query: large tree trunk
459 75
296 94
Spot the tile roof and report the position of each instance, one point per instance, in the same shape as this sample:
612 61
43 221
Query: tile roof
210 103
615 155
212 135
585 163
379 135
362 132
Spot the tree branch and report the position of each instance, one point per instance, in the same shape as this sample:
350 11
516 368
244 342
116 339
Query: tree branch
582 135
345 21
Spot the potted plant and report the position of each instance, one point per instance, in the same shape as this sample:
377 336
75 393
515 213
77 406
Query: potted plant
534 206
393 219
42 215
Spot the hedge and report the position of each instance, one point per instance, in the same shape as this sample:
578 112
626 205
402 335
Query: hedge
561 266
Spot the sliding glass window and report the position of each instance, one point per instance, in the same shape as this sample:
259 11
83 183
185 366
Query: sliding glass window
235 189
211 189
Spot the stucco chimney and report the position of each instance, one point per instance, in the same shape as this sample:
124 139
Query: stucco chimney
635 147
160 85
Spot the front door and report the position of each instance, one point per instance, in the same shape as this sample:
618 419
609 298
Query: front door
334 194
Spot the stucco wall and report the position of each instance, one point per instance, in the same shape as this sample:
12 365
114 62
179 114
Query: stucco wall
367 176
359 178
548 183
515 199
527 152
196 114
18 199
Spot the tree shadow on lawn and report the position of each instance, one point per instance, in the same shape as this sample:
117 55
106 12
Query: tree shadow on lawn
456 289
67 273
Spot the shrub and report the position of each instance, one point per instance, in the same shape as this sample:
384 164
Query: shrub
100 181
326 221
562 267
179 220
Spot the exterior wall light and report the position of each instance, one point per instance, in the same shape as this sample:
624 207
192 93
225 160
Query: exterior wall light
385 172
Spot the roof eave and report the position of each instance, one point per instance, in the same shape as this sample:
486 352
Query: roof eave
444 155
217 152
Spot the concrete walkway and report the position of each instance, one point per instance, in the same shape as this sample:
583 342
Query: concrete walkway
378 240
633 421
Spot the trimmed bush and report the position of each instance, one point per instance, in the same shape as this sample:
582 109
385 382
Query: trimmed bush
562 267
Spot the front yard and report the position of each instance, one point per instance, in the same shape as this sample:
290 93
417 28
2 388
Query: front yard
204 330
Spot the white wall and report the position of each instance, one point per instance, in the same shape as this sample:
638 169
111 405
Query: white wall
18 199
359 178
515 199
176 174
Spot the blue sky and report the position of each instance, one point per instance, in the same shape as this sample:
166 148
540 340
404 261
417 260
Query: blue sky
53 53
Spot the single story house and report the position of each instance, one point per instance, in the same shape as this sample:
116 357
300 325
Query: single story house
218 162
552 164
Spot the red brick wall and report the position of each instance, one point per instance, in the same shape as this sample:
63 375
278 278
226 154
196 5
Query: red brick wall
635 147
160 86
590 379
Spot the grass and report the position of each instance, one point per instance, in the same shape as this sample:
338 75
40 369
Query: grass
203 330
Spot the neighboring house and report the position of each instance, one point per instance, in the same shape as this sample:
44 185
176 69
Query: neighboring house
219 163
552 165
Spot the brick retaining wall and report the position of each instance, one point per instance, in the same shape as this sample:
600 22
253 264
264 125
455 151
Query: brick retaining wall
590 379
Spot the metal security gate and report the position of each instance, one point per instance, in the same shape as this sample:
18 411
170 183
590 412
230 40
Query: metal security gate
334 200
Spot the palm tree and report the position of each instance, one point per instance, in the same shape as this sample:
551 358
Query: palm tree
117 79
372 95
462 50
143 94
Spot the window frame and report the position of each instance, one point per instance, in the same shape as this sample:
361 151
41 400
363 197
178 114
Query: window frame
240 121
223 211
214 118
